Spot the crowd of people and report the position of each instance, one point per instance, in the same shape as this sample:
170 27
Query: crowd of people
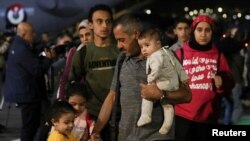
121 82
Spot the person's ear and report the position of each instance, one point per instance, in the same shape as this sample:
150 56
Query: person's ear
53 121
136 33
90 25
158 42
23 35
175 31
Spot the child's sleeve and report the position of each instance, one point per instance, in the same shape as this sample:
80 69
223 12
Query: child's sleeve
91 126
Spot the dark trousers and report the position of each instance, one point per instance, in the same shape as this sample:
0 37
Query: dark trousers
187 130
31 113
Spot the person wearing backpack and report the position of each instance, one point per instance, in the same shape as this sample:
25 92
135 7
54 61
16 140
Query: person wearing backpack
95 63
210 78
85 35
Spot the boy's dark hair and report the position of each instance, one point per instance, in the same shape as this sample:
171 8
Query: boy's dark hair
57 109
60 107
77 88
98 7
181 20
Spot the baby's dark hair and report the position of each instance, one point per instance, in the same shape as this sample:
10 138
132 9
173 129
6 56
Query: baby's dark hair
77 88
59 108
152 33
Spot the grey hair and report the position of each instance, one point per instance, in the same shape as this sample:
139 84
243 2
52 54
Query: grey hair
130 23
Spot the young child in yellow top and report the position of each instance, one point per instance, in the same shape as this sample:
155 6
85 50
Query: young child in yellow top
62 118
77 96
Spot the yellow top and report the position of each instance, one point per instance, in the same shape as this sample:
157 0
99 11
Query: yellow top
56 136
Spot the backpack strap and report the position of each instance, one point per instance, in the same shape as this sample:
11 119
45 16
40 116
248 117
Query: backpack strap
89 122
83 52
169 56
182 55
78 73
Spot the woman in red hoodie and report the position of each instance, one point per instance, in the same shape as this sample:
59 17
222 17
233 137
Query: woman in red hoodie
210 78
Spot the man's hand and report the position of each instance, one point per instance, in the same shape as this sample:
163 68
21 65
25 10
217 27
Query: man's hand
95 137
8 39
49 53
182 95
150 92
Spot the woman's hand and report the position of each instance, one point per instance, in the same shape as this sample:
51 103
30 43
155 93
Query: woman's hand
218 81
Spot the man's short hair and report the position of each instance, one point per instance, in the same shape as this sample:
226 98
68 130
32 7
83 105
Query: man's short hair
181 20
99 7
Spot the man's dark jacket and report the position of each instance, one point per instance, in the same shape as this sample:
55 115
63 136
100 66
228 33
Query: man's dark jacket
24 71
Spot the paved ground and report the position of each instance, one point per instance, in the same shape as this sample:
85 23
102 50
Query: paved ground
10 117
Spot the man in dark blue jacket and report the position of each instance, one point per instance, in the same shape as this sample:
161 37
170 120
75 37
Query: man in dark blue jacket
23 71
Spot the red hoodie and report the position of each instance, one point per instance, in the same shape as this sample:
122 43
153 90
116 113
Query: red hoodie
201 67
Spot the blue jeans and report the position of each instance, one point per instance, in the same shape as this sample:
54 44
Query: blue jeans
237 108
227 111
